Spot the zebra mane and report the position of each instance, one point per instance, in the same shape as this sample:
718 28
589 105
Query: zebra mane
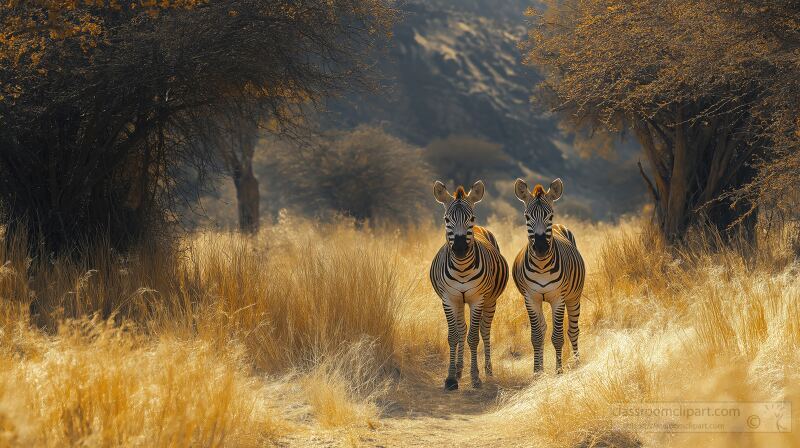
538 191
460 193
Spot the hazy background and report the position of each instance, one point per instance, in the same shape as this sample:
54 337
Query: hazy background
453 74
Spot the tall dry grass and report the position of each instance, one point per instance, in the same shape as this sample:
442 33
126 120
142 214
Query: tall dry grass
683 324
306 331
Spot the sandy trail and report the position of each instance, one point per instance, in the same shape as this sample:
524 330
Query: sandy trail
426 415
420 415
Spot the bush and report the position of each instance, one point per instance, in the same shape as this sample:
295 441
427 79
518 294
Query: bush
463 159
366 174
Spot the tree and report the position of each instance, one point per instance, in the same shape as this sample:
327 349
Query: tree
366 174
464 159
233 136
237 152
773 27
692 80
103 106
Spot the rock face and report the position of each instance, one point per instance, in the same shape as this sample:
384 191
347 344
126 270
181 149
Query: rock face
451 70
454 67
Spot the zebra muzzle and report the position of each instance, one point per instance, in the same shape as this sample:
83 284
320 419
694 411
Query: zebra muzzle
460 245
540 244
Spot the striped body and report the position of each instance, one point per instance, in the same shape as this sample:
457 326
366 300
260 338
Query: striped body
476 280
548 269
559 275
482 275
467 270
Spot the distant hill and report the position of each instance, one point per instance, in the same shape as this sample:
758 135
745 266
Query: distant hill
454 68
452 71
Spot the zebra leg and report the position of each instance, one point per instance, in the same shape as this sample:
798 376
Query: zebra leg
538 328
558 330
573 313
486 329
453 337
474 338
462 335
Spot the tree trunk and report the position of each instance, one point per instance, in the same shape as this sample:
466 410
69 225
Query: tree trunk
692 165
679 185
247 198
238 150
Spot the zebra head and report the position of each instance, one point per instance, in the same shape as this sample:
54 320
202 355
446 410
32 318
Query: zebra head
459 215
539 213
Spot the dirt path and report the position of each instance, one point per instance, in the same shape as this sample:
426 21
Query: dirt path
425 415
420 415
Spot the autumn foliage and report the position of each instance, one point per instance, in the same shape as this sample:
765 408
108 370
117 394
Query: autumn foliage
708 88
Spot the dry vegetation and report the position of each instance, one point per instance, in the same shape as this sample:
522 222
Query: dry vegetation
323 334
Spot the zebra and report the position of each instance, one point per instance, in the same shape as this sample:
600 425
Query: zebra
549 268
468 269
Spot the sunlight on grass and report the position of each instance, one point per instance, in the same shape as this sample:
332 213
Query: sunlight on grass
315 328
95 384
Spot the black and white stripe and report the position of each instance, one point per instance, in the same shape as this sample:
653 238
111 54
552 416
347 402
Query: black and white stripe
548 269
468 269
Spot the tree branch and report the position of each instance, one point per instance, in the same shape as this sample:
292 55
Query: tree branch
651 188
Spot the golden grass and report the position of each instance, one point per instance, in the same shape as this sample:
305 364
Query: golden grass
684 325
94 384
339 401
311 333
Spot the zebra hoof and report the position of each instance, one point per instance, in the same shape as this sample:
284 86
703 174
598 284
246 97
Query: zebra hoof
450 384
476 384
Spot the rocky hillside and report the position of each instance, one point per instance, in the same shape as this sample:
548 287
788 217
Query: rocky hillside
452 71
454 68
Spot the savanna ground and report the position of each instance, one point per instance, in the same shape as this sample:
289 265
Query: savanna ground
325 334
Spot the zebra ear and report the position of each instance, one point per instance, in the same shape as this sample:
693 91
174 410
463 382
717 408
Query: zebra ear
521 190
476 193
441 194
555 190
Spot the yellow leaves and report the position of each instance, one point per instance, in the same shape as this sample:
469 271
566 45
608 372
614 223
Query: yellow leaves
272 125
26 27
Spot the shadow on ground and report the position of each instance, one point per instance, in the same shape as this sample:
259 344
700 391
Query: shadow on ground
430 400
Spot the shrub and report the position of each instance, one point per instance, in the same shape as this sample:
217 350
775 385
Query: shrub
366 174
464 159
